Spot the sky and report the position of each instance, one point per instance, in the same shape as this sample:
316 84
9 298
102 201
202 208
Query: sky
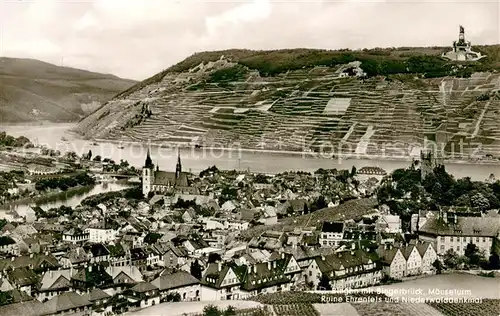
136 39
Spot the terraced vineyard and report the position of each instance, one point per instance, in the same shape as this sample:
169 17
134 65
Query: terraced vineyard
306 109
295 310
395 309
488 307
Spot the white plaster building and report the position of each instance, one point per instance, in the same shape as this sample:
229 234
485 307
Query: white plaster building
449 231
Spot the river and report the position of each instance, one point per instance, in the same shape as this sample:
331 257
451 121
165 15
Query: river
196 160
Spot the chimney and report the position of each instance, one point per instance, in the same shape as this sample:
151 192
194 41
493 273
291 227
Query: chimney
12 258
51 273
31 255
269 265
352 253
90 268
282 255
274 264
322 257
454 218
219 266
353 246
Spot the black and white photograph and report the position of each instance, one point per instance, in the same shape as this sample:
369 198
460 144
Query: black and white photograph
249 157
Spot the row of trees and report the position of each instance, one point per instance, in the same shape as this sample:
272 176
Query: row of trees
472 257
11 141
64 183
405 192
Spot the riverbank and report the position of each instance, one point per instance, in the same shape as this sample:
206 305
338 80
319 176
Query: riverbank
277 152
51 197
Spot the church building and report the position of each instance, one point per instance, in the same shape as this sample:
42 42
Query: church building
164 182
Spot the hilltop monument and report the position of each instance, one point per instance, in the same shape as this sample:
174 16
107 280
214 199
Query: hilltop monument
462 50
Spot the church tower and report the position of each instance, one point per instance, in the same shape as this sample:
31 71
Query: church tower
178 167
147 175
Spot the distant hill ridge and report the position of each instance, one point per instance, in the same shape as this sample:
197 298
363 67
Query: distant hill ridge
35 90
377 61
304 99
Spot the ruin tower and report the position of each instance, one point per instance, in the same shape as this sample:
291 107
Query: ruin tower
428 161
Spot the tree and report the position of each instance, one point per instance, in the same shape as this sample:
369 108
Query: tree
438 266
214 257
494 262
353 171
324 283
230 311
321 203
196 269
451 258
124 163
306 209
480 202
211 310
89 155
473 255
97 158
173 297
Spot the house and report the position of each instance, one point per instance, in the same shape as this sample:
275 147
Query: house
68 303
30 245
24 279
117 255
24 308
30 215
5 285
75 236
235 225
101 232
75 258
331 234
228 206
90 277
269 240
153 256
345 270
38 262
123 277
97 253
194 246
449 231
54 282
170 255
24 231
182 282
9 245
389 224
428 255
220 282
269 215
278 274
413 260
139 258
189 215
98 298
143 295
393 261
